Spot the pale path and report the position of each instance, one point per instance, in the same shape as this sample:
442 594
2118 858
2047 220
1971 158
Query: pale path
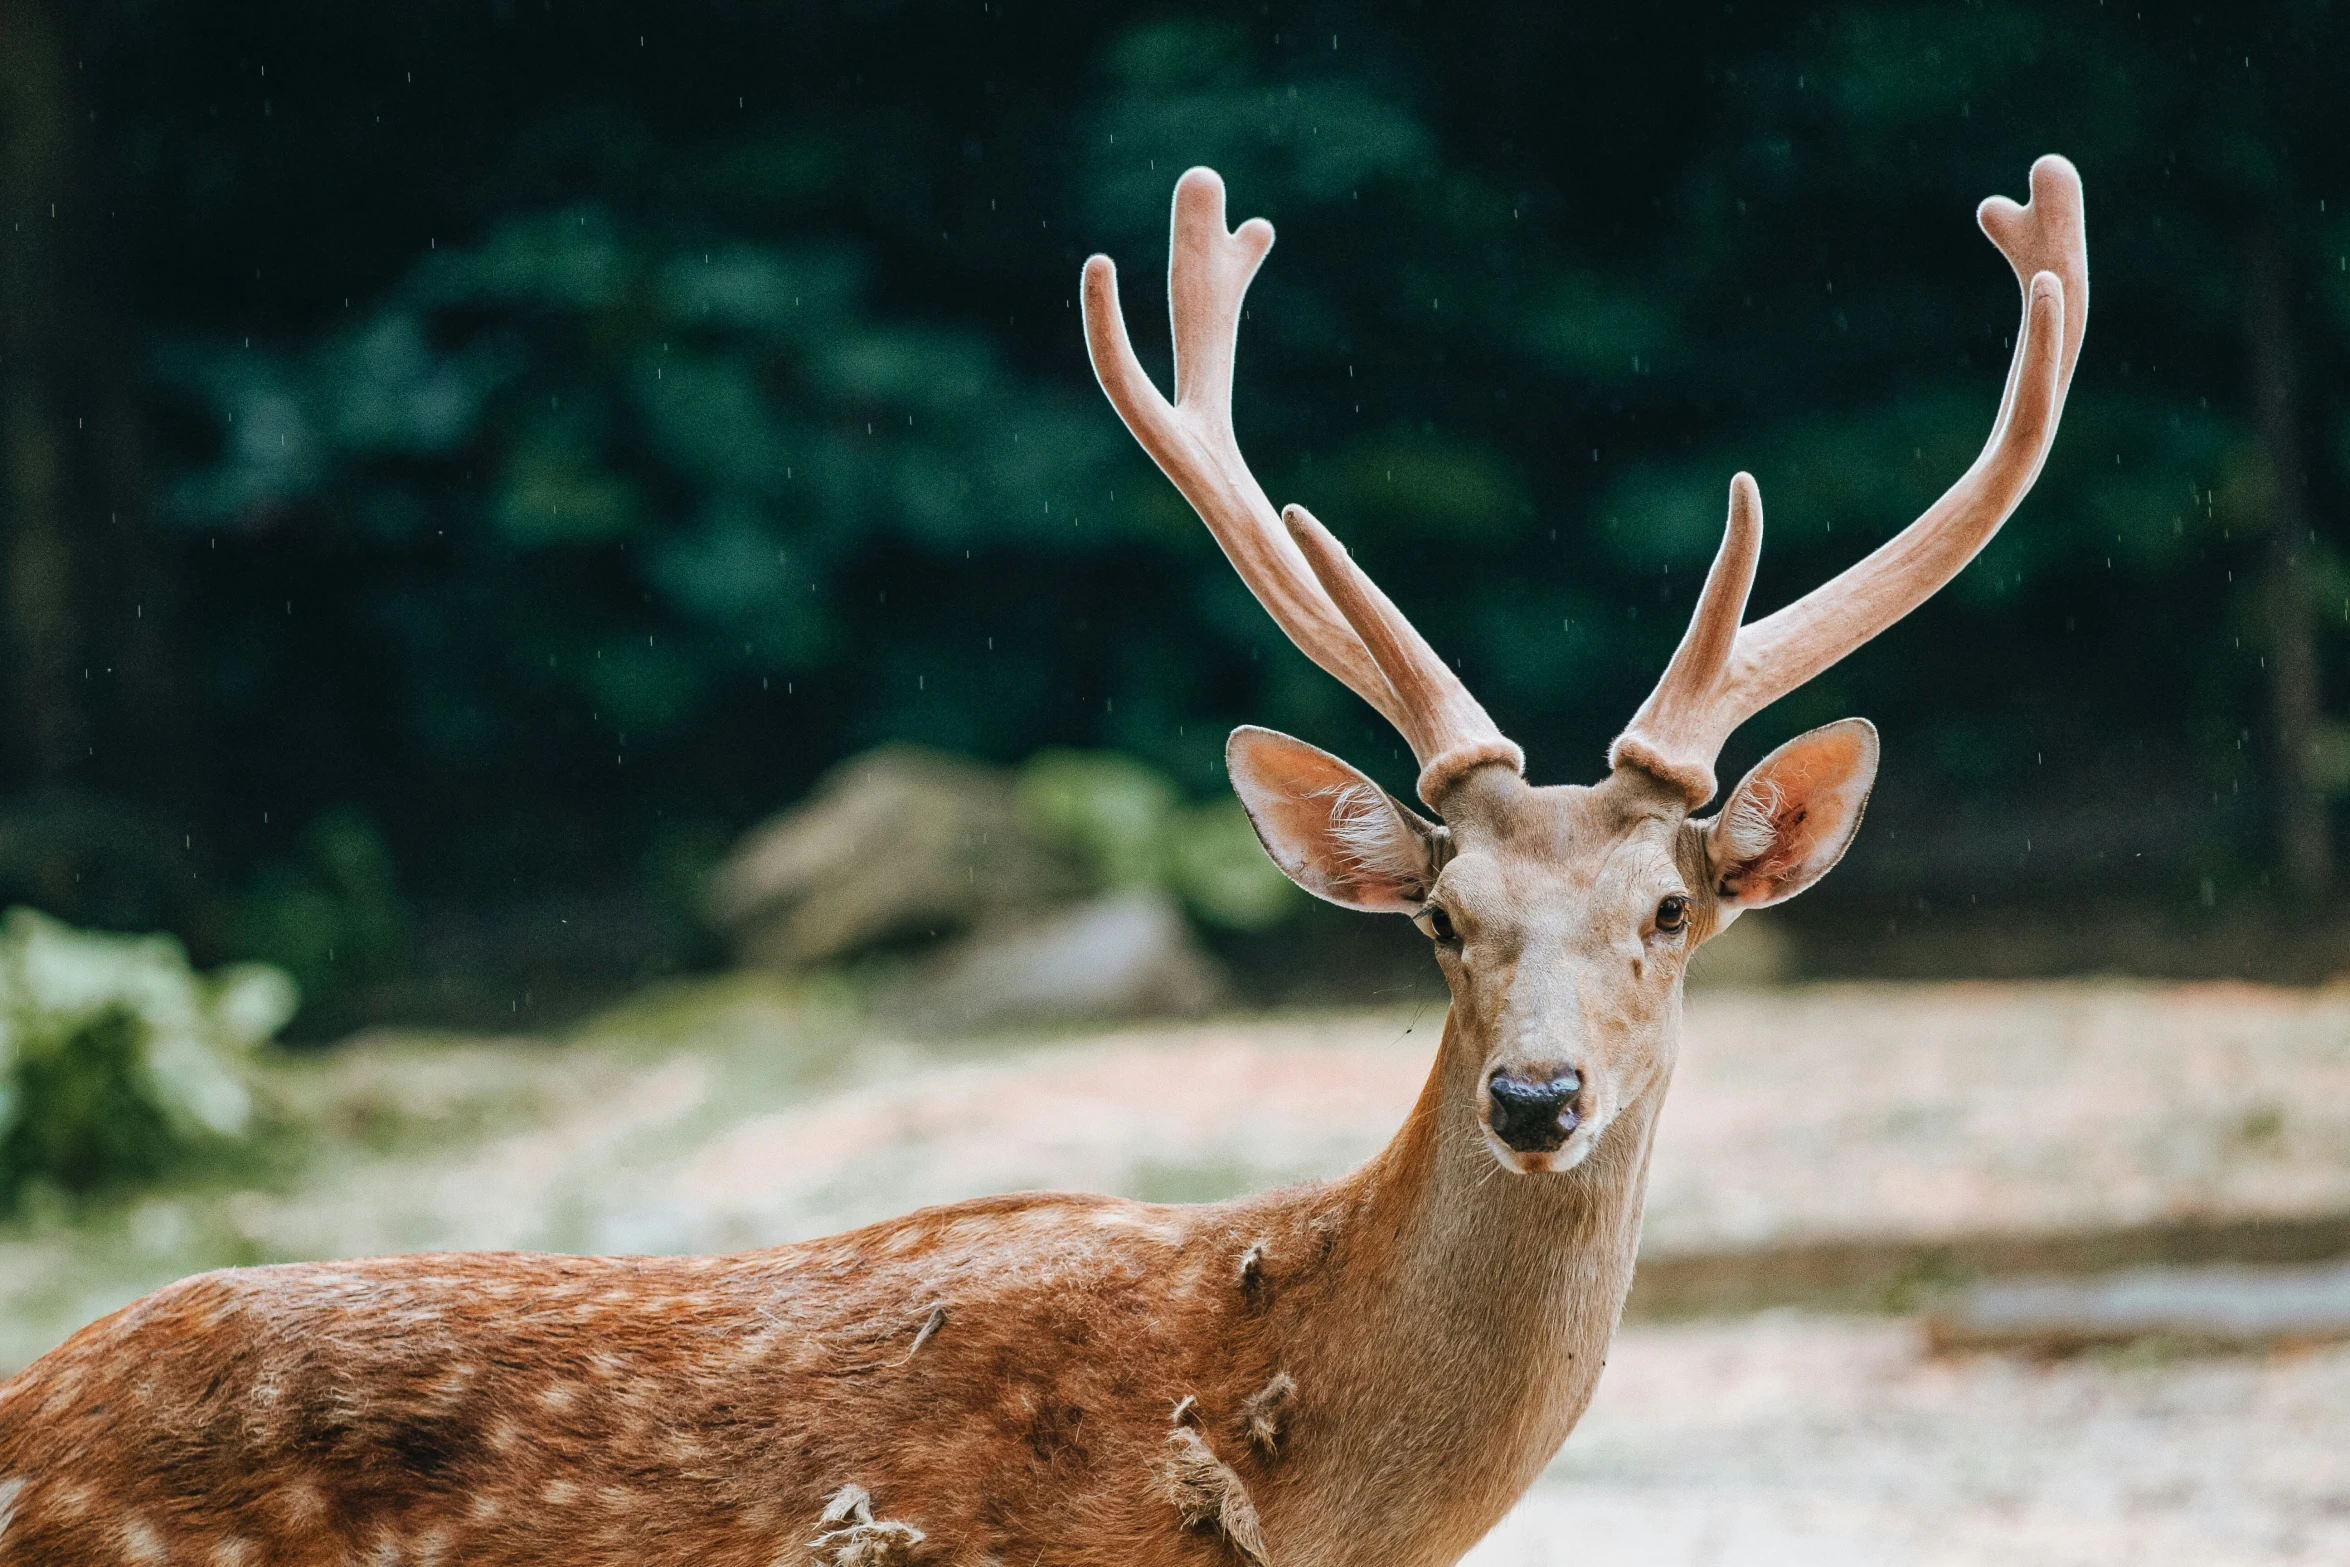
1798 1442
1832 1113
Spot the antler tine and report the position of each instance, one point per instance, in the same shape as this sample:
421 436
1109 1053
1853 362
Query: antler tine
1717 681
1668 733
2046 235
1388 665
1450 730
1208 273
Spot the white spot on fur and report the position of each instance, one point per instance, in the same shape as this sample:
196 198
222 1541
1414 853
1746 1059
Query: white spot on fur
451 1389
139 1542
62 1390
234 1551
560 1493
561 1395
10 1489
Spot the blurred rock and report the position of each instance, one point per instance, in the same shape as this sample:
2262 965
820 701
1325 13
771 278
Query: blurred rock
1129 954
1049 896
900 844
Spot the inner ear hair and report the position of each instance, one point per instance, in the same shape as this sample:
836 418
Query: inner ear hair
1791 819
1374 831
1749 826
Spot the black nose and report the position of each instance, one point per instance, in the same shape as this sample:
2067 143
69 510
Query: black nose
1533 1115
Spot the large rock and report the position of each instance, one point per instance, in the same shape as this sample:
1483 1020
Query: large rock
1126 955
899 845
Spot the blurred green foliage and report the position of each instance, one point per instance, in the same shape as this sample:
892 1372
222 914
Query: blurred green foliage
671 447
331 916
1128 825
117 1058
574 430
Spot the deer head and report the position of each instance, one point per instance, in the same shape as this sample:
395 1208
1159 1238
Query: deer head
1564 917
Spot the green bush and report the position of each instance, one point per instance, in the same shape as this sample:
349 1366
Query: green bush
1129 825
116 1057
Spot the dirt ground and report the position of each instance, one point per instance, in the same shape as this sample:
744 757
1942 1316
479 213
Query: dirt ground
1791 1439
743 1113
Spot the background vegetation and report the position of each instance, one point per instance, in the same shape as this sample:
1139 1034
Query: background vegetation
464 461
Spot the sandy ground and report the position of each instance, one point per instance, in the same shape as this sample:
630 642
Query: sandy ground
743 1114
1783 1439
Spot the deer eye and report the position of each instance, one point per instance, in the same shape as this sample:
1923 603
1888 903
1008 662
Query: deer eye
1438 925
1672 914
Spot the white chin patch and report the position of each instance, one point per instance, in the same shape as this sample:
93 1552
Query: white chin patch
1565 1157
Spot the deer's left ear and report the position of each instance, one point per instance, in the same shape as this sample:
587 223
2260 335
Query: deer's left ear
1790 820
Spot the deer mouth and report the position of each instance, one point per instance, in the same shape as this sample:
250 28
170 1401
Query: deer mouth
1556 1161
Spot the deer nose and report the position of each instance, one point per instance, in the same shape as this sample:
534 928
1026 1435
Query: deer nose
1533 1112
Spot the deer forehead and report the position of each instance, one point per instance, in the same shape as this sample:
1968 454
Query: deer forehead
1531 853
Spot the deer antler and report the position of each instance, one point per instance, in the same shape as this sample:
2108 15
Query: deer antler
1724 673
1333 612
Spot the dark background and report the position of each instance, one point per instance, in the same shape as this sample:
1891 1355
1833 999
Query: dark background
461 463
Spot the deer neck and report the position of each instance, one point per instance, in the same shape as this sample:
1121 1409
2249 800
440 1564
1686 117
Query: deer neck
1479 1305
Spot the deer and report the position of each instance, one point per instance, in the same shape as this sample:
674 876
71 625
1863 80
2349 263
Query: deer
1369 1369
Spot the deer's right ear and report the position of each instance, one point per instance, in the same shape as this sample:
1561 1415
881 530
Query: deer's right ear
1331 830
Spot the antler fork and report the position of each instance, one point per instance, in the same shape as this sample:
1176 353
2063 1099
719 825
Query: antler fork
1333 612
1724 673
